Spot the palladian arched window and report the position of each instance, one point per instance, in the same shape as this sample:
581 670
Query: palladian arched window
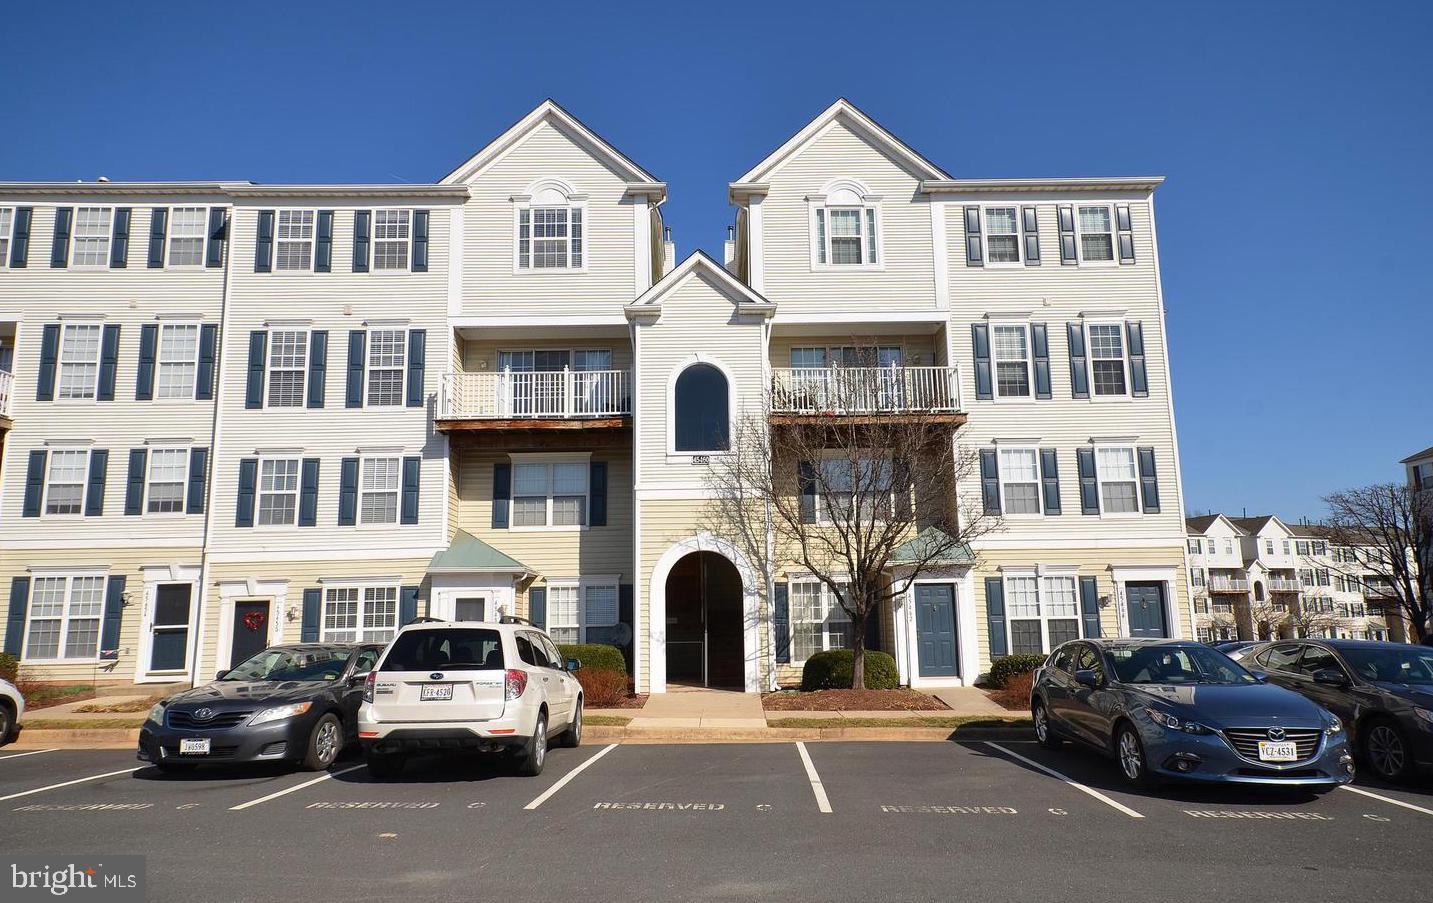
701 410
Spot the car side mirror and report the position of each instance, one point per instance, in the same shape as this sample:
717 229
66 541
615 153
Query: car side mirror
1087 678
574 664
1330 677
220 675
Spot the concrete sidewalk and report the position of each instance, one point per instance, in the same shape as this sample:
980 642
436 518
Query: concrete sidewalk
684 707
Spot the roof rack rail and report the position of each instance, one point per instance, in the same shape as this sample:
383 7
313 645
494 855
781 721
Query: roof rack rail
514 619
424 620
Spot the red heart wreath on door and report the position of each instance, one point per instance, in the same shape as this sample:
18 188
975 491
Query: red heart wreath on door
254 620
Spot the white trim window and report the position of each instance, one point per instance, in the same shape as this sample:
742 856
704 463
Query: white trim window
1042 612
359 614
89 248
1193 546
164 486
1109 376
1010 350
188 232
65 482
288 368
7 229
392 231
841 482
294 241
1019 480
1118 477
63 621
575 607
278 492
387 360
550 493
1096 227
550 238
378 490
178 360
1002 235
845 228
818 622
79 361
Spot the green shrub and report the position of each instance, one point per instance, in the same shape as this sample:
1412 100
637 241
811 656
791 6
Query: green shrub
597 656
1005 668
9 667
832 671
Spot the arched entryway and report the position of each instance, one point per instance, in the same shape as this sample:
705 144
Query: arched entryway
705 640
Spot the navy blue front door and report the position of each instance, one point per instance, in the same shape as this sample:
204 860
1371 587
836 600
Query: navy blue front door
935 630
1145 603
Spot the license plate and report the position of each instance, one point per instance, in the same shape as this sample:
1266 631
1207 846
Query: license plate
1277 752
435 692
199 747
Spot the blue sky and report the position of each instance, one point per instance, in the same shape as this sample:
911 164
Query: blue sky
1297 138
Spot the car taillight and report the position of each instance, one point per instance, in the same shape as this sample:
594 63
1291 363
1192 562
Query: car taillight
516 682
368 684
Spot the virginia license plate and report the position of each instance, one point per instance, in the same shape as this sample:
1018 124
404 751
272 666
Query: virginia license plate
435 692
194 747
1277 752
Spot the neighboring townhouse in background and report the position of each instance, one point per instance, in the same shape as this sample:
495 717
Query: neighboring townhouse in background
246 414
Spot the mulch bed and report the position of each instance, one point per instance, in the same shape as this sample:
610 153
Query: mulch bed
627 702
902 700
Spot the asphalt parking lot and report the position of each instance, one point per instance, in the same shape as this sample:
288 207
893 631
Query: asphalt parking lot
828 821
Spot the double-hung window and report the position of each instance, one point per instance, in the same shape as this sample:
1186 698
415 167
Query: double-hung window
90 247
353 614
1196 576
1097 238
1043 612
1118 480
574 608
1012 361
178 360
1107 359
564 614
1319 548
293 240
168 470
64 618
65 481
7 228
1194 546
846 236
288 367
391 234
387 354
1002 235
378 491
550 238
845 483
278 491
188 230
79 361
818 621
1302 547
549 493
1020 480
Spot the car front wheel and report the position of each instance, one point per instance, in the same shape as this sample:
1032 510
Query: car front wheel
325 742
531 757
1044 732
1131 757
1385 749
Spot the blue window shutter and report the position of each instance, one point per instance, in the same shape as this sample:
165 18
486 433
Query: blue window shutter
148 348
158 229
419 262
317 366
407 604
1079 377
995 616
204 374
974 254
537 606
502 494
113 614
781 622
348 492
980 342
990 481
34 483
360 241
15 617
308 493
1040 354
323 242
248 478
357 342
1050 480
218 232
258 353
1126 234
417 345
412 478
60 247
1148 481
198 471
109 362
264 242
99 470
1138 379
1067 236
1090 606
806 482
134 482
20 238
313 610
119 239
597 494
1030 235
1089 487
49 354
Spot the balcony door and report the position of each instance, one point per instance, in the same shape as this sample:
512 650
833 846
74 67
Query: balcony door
535 383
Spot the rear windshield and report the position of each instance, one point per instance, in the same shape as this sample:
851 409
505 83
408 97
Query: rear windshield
429 650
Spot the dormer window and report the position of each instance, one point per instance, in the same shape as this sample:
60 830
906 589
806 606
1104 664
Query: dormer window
844 226
550 232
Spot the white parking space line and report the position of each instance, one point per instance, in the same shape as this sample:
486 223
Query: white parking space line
1387 799
822 802
33 752
93 777
287 790
562 782
1073 783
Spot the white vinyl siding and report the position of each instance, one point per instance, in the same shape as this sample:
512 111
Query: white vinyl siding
89 244
387 354
391 235
293 241
278 491
353 614
188 229
378 491
818 622
288 368
79 361
178 361
168 471
63 621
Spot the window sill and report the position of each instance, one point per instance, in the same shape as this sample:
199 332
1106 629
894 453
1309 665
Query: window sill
551 528
550 271
85 660
838 269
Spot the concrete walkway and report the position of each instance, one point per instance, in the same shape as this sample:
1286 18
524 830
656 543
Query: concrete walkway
694 707
970 701
68 711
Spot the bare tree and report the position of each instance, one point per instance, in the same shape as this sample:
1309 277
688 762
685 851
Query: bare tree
865 502
1391 527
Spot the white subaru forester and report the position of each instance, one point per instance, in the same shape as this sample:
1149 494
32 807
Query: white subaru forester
469 685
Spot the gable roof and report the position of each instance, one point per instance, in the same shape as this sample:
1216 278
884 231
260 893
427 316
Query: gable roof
1425 453
649 304
468 554
864 125
1202 523
1253 525
550 111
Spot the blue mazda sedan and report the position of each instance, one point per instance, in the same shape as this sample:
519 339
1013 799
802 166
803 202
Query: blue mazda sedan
1179 709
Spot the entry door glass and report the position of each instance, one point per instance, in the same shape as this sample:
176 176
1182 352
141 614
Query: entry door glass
470 610
169 639
1145 602
935 629
250 631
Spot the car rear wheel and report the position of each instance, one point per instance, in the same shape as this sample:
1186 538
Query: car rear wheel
384 766
1043 731
572 737
7 723
325 742
1131 757
1385 749
531 757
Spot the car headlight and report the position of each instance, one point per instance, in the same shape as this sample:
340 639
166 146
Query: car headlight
1425 714
1166 720
280 712
1335 726
156 713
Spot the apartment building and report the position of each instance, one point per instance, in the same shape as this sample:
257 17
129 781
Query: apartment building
245 414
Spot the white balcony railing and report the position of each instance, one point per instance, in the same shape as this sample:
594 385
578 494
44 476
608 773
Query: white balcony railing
7 386
1276 585
1228 585
514 395
864 390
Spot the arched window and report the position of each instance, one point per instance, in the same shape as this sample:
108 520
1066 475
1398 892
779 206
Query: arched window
701 410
